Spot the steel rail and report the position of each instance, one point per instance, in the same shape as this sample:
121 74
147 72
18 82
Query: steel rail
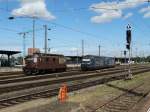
54 91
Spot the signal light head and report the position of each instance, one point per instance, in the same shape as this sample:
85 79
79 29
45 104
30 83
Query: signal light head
128 46
128 34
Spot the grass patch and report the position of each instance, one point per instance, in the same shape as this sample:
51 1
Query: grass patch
103 93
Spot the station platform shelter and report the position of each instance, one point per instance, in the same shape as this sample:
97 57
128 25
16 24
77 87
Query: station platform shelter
6 57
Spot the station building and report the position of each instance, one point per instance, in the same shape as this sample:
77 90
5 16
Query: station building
6 58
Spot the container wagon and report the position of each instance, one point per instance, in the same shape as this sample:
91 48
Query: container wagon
44 63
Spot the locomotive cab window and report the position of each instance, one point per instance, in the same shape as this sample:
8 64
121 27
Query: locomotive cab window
29 60
86 61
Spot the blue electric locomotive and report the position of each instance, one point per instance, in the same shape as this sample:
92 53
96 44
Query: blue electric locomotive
91 62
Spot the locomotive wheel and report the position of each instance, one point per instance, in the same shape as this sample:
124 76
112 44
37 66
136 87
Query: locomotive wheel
42 71
28 72
64 70
61 70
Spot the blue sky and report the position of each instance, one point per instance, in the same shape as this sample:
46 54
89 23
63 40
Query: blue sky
72 21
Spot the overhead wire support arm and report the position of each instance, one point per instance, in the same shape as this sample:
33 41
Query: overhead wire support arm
24 42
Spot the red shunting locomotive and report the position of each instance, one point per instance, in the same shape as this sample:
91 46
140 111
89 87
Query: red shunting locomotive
44 63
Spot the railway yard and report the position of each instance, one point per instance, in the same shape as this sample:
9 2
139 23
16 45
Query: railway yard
74 56
17 89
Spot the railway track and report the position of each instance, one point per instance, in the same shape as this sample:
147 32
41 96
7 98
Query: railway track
126 101
34 76
55 75
75 85
10 73
13 76
21 77
15 86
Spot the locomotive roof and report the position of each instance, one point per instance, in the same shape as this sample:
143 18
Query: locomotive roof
97 56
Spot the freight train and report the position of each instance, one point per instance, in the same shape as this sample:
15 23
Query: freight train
91 62
43 63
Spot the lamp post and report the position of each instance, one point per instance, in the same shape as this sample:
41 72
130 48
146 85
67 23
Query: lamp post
99 48
33 32
46 38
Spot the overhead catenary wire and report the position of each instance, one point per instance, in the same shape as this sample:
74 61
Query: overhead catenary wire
85 8
78 9
104 8
87 34
75 9
9 29
16 31
75 30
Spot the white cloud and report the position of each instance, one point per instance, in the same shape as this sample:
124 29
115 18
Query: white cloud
33 8
107 11
147 15
145 9
128 15
107 16
146 12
